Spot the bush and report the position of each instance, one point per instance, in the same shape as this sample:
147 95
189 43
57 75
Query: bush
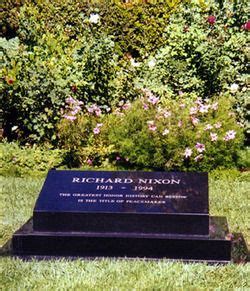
137 26
101 52
205 54
37 81
9 17
31 161
168 135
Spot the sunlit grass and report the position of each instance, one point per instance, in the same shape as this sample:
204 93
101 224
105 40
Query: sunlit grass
228 197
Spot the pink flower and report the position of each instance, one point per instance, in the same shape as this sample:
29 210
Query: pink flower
126 105
217 125
96 130
229 236
188 152
165 132
180 93
214 106
126 159
89 162
198 101
70 100
193 110
153 99
213 136
151 125
166 114
200 147
208 127
75 110
179 123
94 109
118 158
98 111
69 117
145 106
194 120
204 108
118 112
211 19
198 158
182 105
91 108
246 26
230 135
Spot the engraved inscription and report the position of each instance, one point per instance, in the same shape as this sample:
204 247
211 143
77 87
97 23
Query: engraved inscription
125 181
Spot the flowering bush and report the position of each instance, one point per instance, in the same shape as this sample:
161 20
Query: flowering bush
205 53
101 52
36 81
182 134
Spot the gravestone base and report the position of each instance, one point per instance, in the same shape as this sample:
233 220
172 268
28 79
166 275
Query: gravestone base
215 248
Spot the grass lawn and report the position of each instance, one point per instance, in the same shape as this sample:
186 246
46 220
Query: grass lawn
228 197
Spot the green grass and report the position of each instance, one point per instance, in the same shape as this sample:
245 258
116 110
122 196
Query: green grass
228 197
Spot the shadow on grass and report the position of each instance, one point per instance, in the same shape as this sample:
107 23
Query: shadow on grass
5 250
240 252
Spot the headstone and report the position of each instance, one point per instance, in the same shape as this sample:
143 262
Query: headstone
124 214
146 202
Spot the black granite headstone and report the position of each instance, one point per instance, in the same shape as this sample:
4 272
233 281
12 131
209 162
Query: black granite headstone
146 202
124 214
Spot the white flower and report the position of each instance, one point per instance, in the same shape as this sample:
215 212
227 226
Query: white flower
230 135
14 128
213 136
218 125
152 63
200 147
198 158
165 132
167 114
193 110
94 18
208 127
214 106
188 152
204 108
134 63
234 88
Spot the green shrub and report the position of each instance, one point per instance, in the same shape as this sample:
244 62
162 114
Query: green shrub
9 17
171 135
79 135
202 55
28 161
37 81
137 26
104 51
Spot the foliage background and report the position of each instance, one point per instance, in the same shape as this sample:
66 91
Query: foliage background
51 49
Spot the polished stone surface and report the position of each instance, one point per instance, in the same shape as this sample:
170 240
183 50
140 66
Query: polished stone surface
103 201
215 248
